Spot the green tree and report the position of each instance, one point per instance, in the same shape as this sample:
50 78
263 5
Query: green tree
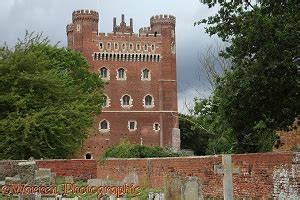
192 134
47 100
260 92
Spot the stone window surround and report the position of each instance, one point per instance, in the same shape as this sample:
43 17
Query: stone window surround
125 74
156 126
135 125
142 75
152 101
107 104
130 101
104 130
107 73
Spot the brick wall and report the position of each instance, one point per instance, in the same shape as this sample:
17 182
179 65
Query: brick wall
261 176
80 169
289 141
268 175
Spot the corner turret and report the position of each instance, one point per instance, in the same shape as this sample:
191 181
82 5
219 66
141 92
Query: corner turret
158 21
84 25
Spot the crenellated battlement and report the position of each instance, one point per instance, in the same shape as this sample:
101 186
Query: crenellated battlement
85 14
145 30
170 19
70 28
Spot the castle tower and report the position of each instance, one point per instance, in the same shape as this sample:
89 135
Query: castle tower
165 25
82 29
141 89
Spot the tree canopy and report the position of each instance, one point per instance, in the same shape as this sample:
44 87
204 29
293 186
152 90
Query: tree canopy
47 99
259 93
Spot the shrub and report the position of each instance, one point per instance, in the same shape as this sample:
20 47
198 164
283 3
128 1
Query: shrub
127 150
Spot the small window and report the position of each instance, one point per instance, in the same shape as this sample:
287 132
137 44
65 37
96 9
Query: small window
148 101
104 126
116 46
156 126
78 28
103 72
152 47
145 47
130 46
100 45
138 47
126 101
123 46
88 156
146 74
106 102
108 45
121 74
132 125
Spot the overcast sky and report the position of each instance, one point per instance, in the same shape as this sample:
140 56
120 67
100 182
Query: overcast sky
52 16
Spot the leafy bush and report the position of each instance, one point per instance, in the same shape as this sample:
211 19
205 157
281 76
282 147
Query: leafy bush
127 150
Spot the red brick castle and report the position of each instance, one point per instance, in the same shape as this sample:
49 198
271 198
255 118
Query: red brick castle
141 94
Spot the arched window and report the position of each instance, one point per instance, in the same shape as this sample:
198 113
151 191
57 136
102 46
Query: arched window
106 102
100 45
126 101
108 45
121 74
116 45
138 47
152 47
156 126
104 73
148 101
146 76
104 126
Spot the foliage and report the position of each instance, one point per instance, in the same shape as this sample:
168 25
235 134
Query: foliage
260 92
125 149
47 100
221 139
193 135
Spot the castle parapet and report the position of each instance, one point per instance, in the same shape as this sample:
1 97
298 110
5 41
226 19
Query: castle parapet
70 28
145 30
162 19
85 14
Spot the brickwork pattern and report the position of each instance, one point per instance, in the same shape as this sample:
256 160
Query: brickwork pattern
153 49
79 169
261 176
